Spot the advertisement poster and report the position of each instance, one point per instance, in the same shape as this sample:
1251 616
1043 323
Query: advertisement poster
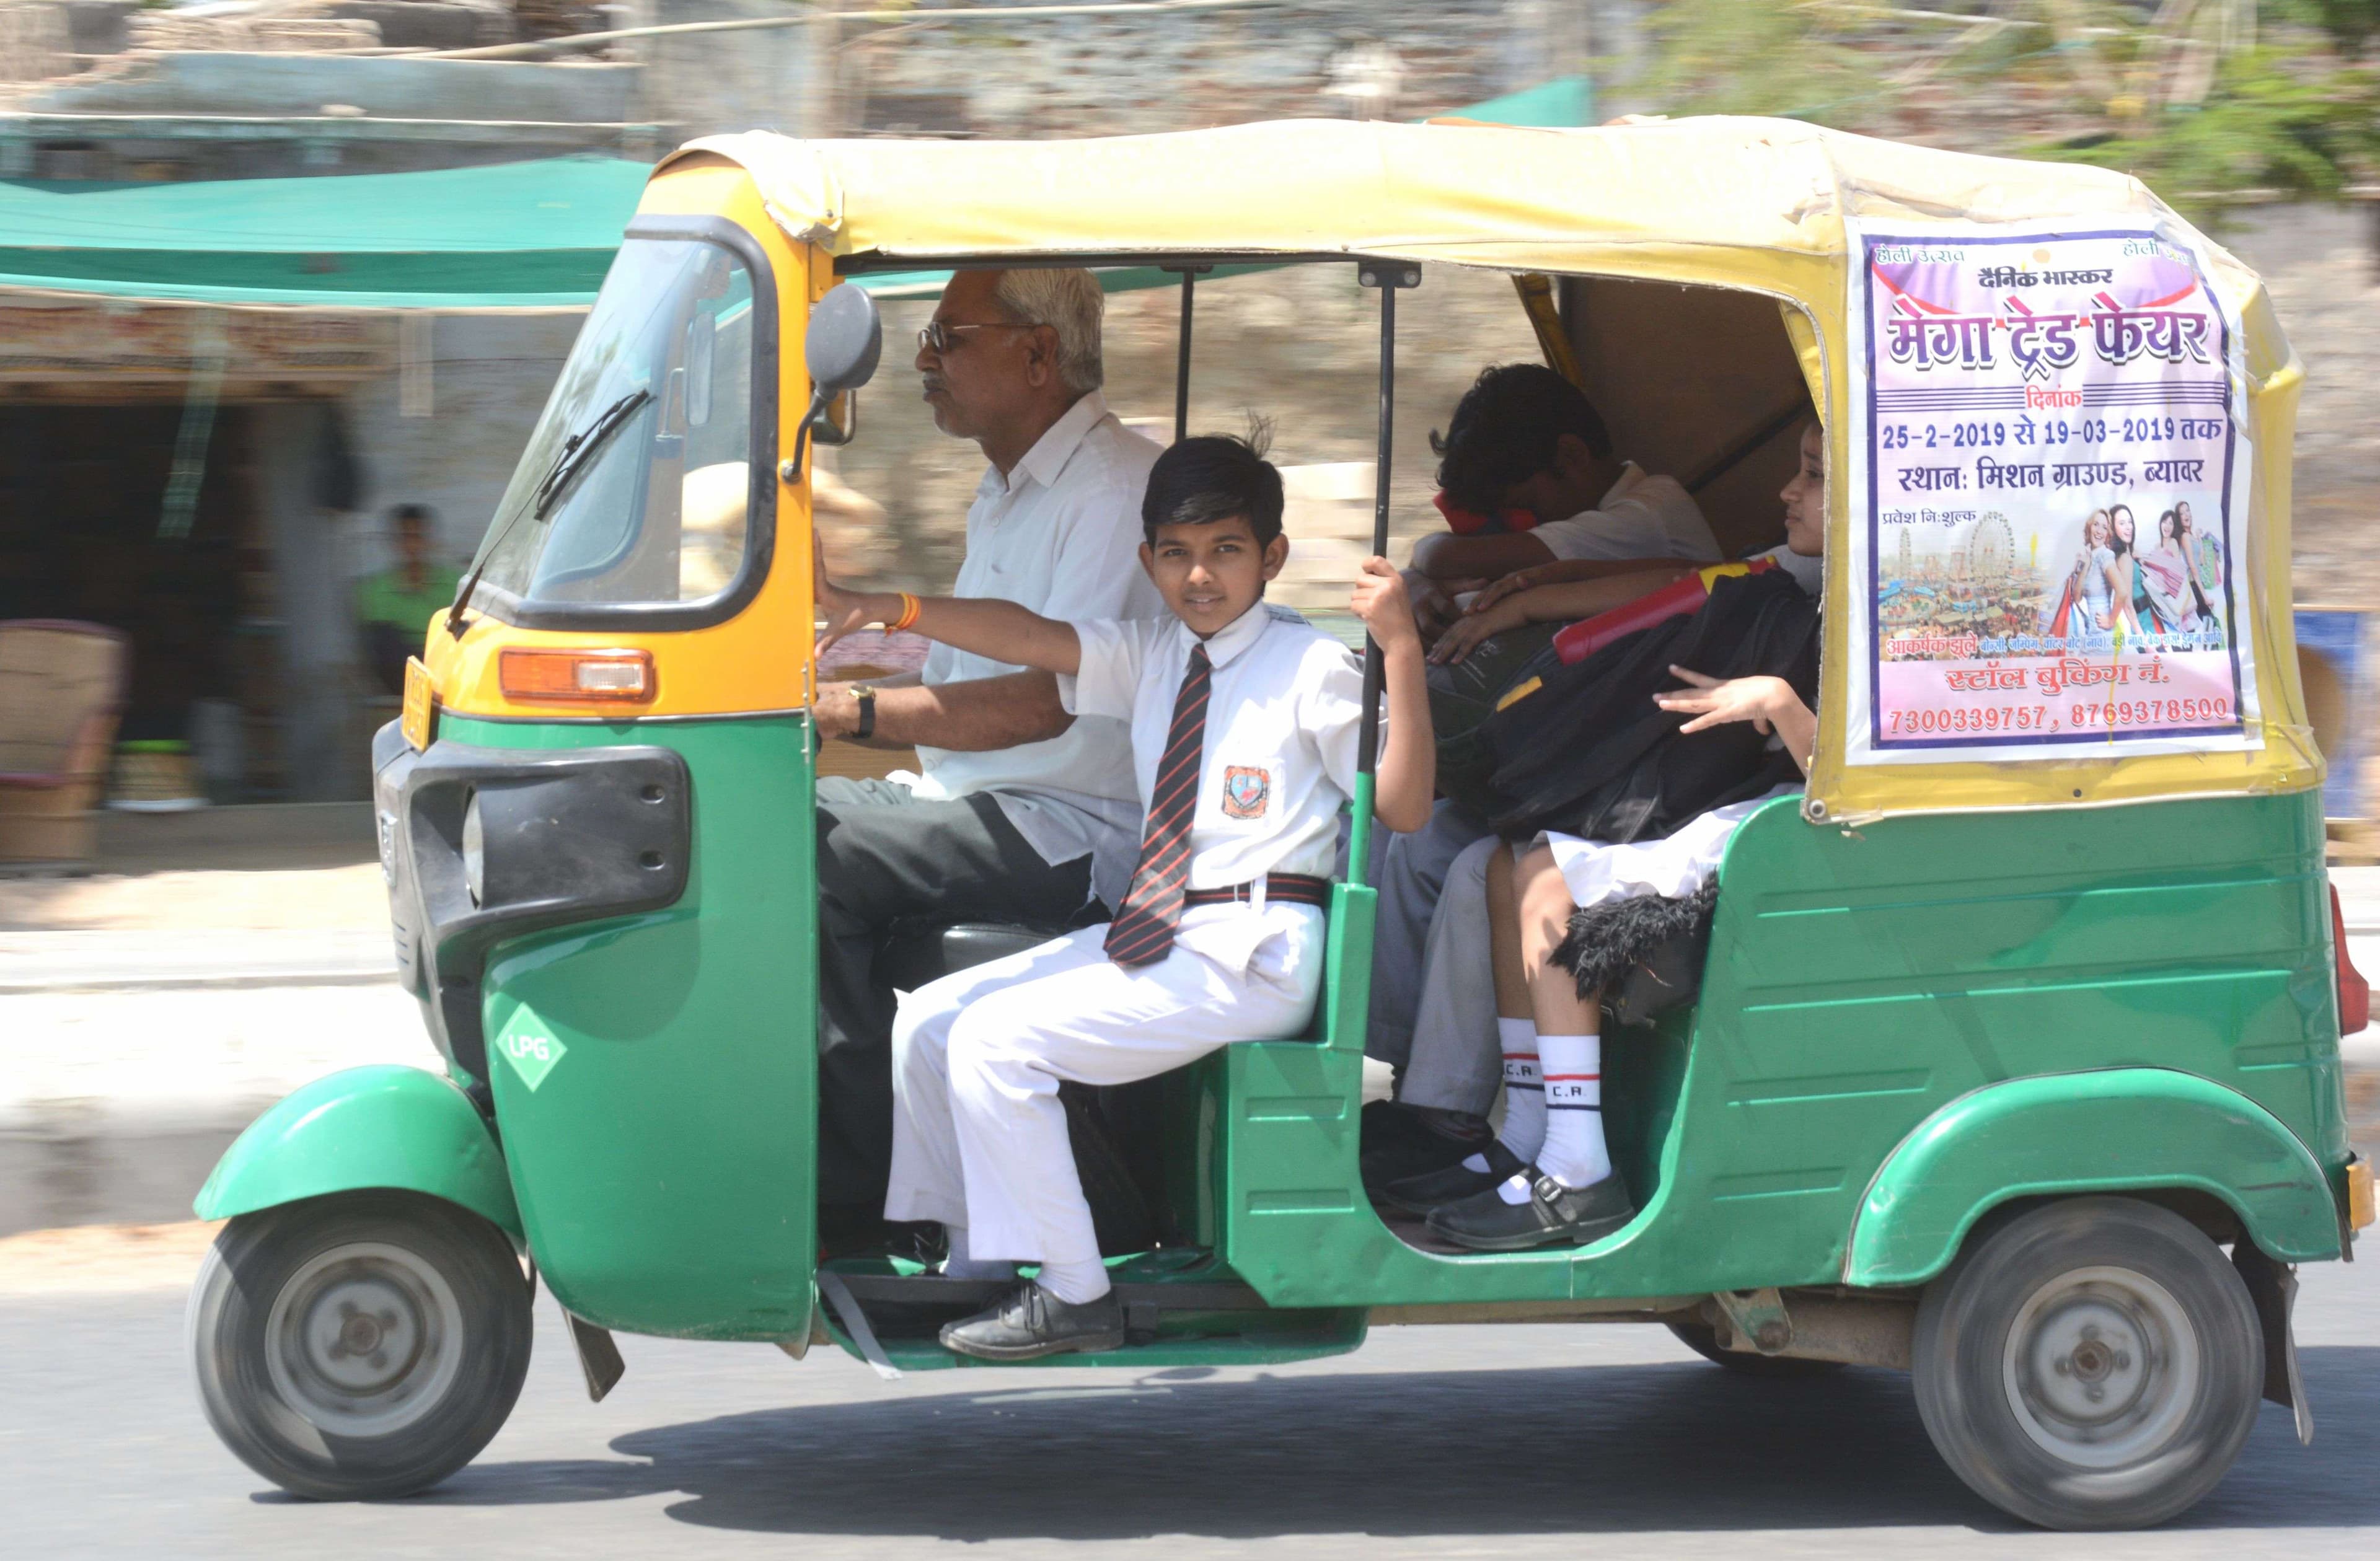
2048 449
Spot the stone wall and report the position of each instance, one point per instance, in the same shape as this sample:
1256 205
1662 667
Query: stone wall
1124 74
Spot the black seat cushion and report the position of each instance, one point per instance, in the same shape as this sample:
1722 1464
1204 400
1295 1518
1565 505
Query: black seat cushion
916 952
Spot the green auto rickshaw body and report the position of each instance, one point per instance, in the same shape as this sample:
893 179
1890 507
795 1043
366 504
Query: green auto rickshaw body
1910 1021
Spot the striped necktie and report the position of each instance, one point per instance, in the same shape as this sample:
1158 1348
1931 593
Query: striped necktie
1142 932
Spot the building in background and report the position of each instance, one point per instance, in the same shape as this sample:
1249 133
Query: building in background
268 269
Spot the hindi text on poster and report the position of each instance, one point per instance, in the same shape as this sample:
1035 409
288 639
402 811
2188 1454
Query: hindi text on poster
2047 454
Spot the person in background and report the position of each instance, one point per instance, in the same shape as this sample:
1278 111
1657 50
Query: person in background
394 606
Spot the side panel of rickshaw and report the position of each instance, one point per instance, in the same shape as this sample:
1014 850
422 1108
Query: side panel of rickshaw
657 1121
1860 981
653 1075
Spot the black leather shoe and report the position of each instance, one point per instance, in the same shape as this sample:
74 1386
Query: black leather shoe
1485 1222
1419 1194
1400 1142
1029 1322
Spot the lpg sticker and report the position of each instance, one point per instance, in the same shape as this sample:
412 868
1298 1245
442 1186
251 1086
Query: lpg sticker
1247 789
529 1049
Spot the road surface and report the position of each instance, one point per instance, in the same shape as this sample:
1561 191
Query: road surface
1571 1442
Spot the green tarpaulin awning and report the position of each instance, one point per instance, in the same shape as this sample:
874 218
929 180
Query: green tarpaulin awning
526 236
514 236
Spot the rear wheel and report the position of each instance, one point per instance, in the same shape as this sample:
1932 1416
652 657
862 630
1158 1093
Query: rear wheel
1703 1339
2094 1364
360 1345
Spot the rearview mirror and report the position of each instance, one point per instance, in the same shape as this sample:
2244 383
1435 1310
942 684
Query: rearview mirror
845 339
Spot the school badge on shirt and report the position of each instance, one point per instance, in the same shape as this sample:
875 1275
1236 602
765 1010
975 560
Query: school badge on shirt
1246 789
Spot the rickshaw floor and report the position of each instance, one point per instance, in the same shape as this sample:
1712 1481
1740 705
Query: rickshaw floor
1414 1232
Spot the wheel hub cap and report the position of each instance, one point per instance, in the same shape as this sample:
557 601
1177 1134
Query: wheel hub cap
2101 1366
364 1339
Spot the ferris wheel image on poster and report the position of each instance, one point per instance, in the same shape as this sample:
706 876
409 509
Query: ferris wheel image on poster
2049 498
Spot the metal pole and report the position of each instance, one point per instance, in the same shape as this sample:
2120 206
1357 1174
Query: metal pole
1388 277
1182 366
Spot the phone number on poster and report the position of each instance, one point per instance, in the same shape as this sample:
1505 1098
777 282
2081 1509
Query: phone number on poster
2152 712
1983 717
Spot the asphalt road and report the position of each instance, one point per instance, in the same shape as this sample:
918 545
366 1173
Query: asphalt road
1439 1442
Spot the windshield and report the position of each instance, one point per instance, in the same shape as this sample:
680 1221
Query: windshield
635 485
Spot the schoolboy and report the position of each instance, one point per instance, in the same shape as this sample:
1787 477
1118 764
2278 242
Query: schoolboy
1244 731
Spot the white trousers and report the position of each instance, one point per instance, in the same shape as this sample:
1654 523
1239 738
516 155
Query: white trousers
978 1133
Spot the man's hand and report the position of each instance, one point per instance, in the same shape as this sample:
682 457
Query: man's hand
838 711
843 610
1381 602
1468 632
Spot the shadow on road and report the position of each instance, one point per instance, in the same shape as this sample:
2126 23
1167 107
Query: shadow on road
1594 1450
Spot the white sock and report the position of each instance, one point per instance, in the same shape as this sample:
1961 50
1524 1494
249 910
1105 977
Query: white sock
1574 1153
960 1265
1525 1093
1076 1282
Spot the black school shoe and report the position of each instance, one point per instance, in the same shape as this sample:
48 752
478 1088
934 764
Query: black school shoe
1029 1323
1485 1222
1400 1142
1433 1189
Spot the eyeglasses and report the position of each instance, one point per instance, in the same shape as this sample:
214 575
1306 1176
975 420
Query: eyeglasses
938 338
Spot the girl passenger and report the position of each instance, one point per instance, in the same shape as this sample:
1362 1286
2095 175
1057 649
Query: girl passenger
1549 1177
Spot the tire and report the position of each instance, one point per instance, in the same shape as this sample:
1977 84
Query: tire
415 1381
2092 1363
1703 1339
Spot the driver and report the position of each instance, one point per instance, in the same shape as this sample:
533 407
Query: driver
1020 812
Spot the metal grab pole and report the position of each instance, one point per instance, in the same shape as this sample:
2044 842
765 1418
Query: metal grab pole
1181 366
1388 277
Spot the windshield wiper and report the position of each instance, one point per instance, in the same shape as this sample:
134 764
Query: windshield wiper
576 453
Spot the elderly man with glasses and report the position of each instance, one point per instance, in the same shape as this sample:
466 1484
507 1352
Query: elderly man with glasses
1020 813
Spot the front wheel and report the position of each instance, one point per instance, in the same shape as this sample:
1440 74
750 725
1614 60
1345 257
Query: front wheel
2094 1364
360 1345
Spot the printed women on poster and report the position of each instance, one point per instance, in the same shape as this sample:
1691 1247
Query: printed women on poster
2047 448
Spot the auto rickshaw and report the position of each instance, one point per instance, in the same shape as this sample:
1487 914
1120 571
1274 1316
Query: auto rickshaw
2016 1066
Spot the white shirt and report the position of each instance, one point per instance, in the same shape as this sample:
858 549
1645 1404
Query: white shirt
1284 713
1060 535
1642 517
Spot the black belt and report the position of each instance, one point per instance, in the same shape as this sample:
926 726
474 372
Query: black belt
1286 888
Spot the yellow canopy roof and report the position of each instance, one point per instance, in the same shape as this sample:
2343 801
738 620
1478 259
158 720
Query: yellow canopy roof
1481 194
1752 204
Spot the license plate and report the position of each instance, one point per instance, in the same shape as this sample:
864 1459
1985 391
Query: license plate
420 710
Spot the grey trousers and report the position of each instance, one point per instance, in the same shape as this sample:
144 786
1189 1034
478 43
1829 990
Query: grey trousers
885 856
1457 1063
1429 982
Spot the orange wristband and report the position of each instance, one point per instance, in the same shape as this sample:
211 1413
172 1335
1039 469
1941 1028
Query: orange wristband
910 607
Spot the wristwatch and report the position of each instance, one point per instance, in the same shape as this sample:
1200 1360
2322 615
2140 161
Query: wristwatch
866 697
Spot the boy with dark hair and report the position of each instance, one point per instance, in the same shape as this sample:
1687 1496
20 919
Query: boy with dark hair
1529 477
1244 724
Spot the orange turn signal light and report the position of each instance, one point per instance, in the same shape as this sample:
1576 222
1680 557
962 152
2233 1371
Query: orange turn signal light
578 676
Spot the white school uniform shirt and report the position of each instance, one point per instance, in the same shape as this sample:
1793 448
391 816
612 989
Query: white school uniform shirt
1059 535
1284 713
1642 516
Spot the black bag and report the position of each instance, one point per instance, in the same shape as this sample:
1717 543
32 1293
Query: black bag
1463 695
1589 754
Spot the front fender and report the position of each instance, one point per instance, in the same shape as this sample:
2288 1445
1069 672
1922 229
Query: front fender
2113 1130
384 1126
